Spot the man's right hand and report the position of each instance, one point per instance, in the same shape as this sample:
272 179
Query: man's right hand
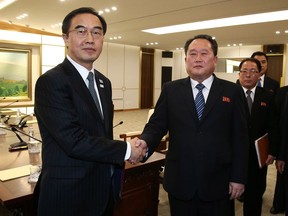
138 150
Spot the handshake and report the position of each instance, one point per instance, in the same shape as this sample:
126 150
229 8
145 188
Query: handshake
138 150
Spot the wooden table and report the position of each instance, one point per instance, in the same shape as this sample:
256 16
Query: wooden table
140 185
17 193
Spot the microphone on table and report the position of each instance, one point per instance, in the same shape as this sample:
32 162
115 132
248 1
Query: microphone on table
19 145
121 122
22 144
23 121
19 131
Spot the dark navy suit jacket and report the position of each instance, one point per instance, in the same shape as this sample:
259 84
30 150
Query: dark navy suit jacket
203 156
78 152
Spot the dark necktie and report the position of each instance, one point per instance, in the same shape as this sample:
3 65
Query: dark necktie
259 83
199 100
93 92
249 99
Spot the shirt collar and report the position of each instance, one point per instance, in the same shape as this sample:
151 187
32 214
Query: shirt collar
82 70
207 82
252 90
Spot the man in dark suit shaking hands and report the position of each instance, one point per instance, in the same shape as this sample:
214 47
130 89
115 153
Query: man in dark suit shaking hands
74 109
206 162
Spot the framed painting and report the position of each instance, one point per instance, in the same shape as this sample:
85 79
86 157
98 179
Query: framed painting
15 74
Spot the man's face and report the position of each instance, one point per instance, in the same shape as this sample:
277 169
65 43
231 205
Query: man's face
84 49
249 75
200 60
263 62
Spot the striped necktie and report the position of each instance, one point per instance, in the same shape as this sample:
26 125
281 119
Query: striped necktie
199 100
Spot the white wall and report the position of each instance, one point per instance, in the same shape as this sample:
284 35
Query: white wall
120 63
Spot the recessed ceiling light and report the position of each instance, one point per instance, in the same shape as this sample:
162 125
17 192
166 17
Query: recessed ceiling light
277 32
152 43
107 10
224 22
22 16
115 38
286 31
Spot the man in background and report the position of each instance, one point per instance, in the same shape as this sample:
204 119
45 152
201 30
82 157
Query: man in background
271 85
280 114
264 81
259 123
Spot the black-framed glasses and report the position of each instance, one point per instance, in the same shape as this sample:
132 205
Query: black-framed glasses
96 33
252 71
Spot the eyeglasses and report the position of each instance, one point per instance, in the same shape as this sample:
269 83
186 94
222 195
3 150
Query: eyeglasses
252 71
83 32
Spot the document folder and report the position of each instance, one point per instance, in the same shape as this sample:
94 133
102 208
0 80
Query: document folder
261 145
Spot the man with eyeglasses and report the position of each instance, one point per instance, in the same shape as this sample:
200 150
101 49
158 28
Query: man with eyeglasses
258 117
74 109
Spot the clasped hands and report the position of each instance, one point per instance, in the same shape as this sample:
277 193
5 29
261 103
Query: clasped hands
138 150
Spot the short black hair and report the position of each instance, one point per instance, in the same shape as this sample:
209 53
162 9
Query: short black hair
67 20
259 53
213 42
256 61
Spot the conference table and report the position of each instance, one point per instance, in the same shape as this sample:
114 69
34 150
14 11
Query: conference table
140 189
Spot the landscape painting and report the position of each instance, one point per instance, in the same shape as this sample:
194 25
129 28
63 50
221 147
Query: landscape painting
15 74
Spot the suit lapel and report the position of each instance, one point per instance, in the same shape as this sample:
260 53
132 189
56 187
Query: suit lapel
101 89
82 90
214 95
188 97
257 100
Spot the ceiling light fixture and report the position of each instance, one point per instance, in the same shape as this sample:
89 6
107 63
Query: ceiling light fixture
115 38
223 22
22 16
152 43
5 3
107 10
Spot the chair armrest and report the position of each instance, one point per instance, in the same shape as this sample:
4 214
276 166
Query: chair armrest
130 135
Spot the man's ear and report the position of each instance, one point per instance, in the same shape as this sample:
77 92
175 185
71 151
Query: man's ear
65 38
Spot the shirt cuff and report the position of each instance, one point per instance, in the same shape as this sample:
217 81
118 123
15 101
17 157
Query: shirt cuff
128 151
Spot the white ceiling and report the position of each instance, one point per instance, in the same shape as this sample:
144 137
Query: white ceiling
133 16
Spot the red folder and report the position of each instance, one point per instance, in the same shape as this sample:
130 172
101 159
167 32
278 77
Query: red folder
261 145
